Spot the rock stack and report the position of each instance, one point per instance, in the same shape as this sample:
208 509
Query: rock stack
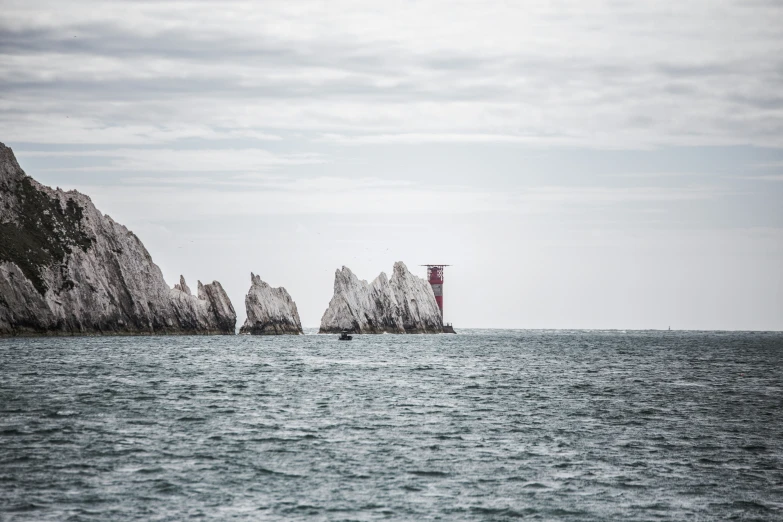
270 311
403 304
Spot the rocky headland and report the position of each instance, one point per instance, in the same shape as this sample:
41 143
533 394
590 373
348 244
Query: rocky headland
270 311
68 269
403 304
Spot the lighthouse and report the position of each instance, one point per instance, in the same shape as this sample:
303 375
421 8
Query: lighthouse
435 278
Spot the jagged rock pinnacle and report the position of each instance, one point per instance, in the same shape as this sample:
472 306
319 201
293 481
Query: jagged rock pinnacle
270 311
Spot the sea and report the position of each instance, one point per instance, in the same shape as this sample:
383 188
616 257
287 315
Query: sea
482 425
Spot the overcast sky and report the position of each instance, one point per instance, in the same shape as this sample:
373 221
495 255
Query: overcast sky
582 164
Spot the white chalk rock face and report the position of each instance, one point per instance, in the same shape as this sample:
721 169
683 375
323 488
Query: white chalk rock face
404 304
67 269
211 309
362 307
416 300
270 311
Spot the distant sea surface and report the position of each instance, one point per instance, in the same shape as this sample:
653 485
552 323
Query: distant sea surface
483 425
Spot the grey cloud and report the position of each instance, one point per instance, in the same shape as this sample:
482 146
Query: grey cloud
130 90
770 102
538 89
116 41
704 70
680 89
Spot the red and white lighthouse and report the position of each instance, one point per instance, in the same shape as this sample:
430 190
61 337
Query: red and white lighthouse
435 278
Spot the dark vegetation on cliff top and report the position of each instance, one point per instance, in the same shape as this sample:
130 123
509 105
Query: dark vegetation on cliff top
45 234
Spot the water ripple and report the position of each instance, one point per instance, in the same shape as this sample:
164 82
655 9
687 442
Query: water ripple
485 425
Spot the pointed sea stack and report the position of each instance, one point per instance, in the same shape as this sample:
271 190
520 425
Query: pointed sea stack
67 269
403 304
210 309
270 311
416 300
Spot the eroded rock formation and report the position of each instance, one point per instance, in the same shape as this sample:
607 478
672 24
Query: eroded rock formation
414 295
67 269
270 311
403 304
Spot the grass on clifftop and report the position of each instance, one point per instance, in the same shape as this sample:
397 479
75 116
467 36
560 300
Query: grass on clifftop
45 234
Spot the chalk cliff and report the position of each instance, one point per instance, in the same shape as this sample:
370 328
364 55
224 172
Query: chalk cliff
67 269
403 304
270 311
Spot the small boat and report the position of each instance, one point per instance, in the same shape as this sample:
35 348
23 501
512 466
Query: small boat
344 336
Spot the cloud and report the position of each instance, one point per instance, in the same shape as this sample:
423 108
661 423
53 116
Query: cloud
171 199
771 177
585 73
272 183
178 160
656 174
414 138
769 165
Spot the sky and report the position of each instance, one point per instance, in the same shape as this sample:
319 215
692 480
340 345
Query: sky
581 164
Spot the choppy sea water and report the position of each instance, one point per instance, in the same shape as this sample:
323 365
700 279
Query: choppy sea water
484 425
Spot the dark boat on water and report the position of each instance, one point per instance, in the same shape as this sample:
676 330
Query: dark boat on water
344 336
